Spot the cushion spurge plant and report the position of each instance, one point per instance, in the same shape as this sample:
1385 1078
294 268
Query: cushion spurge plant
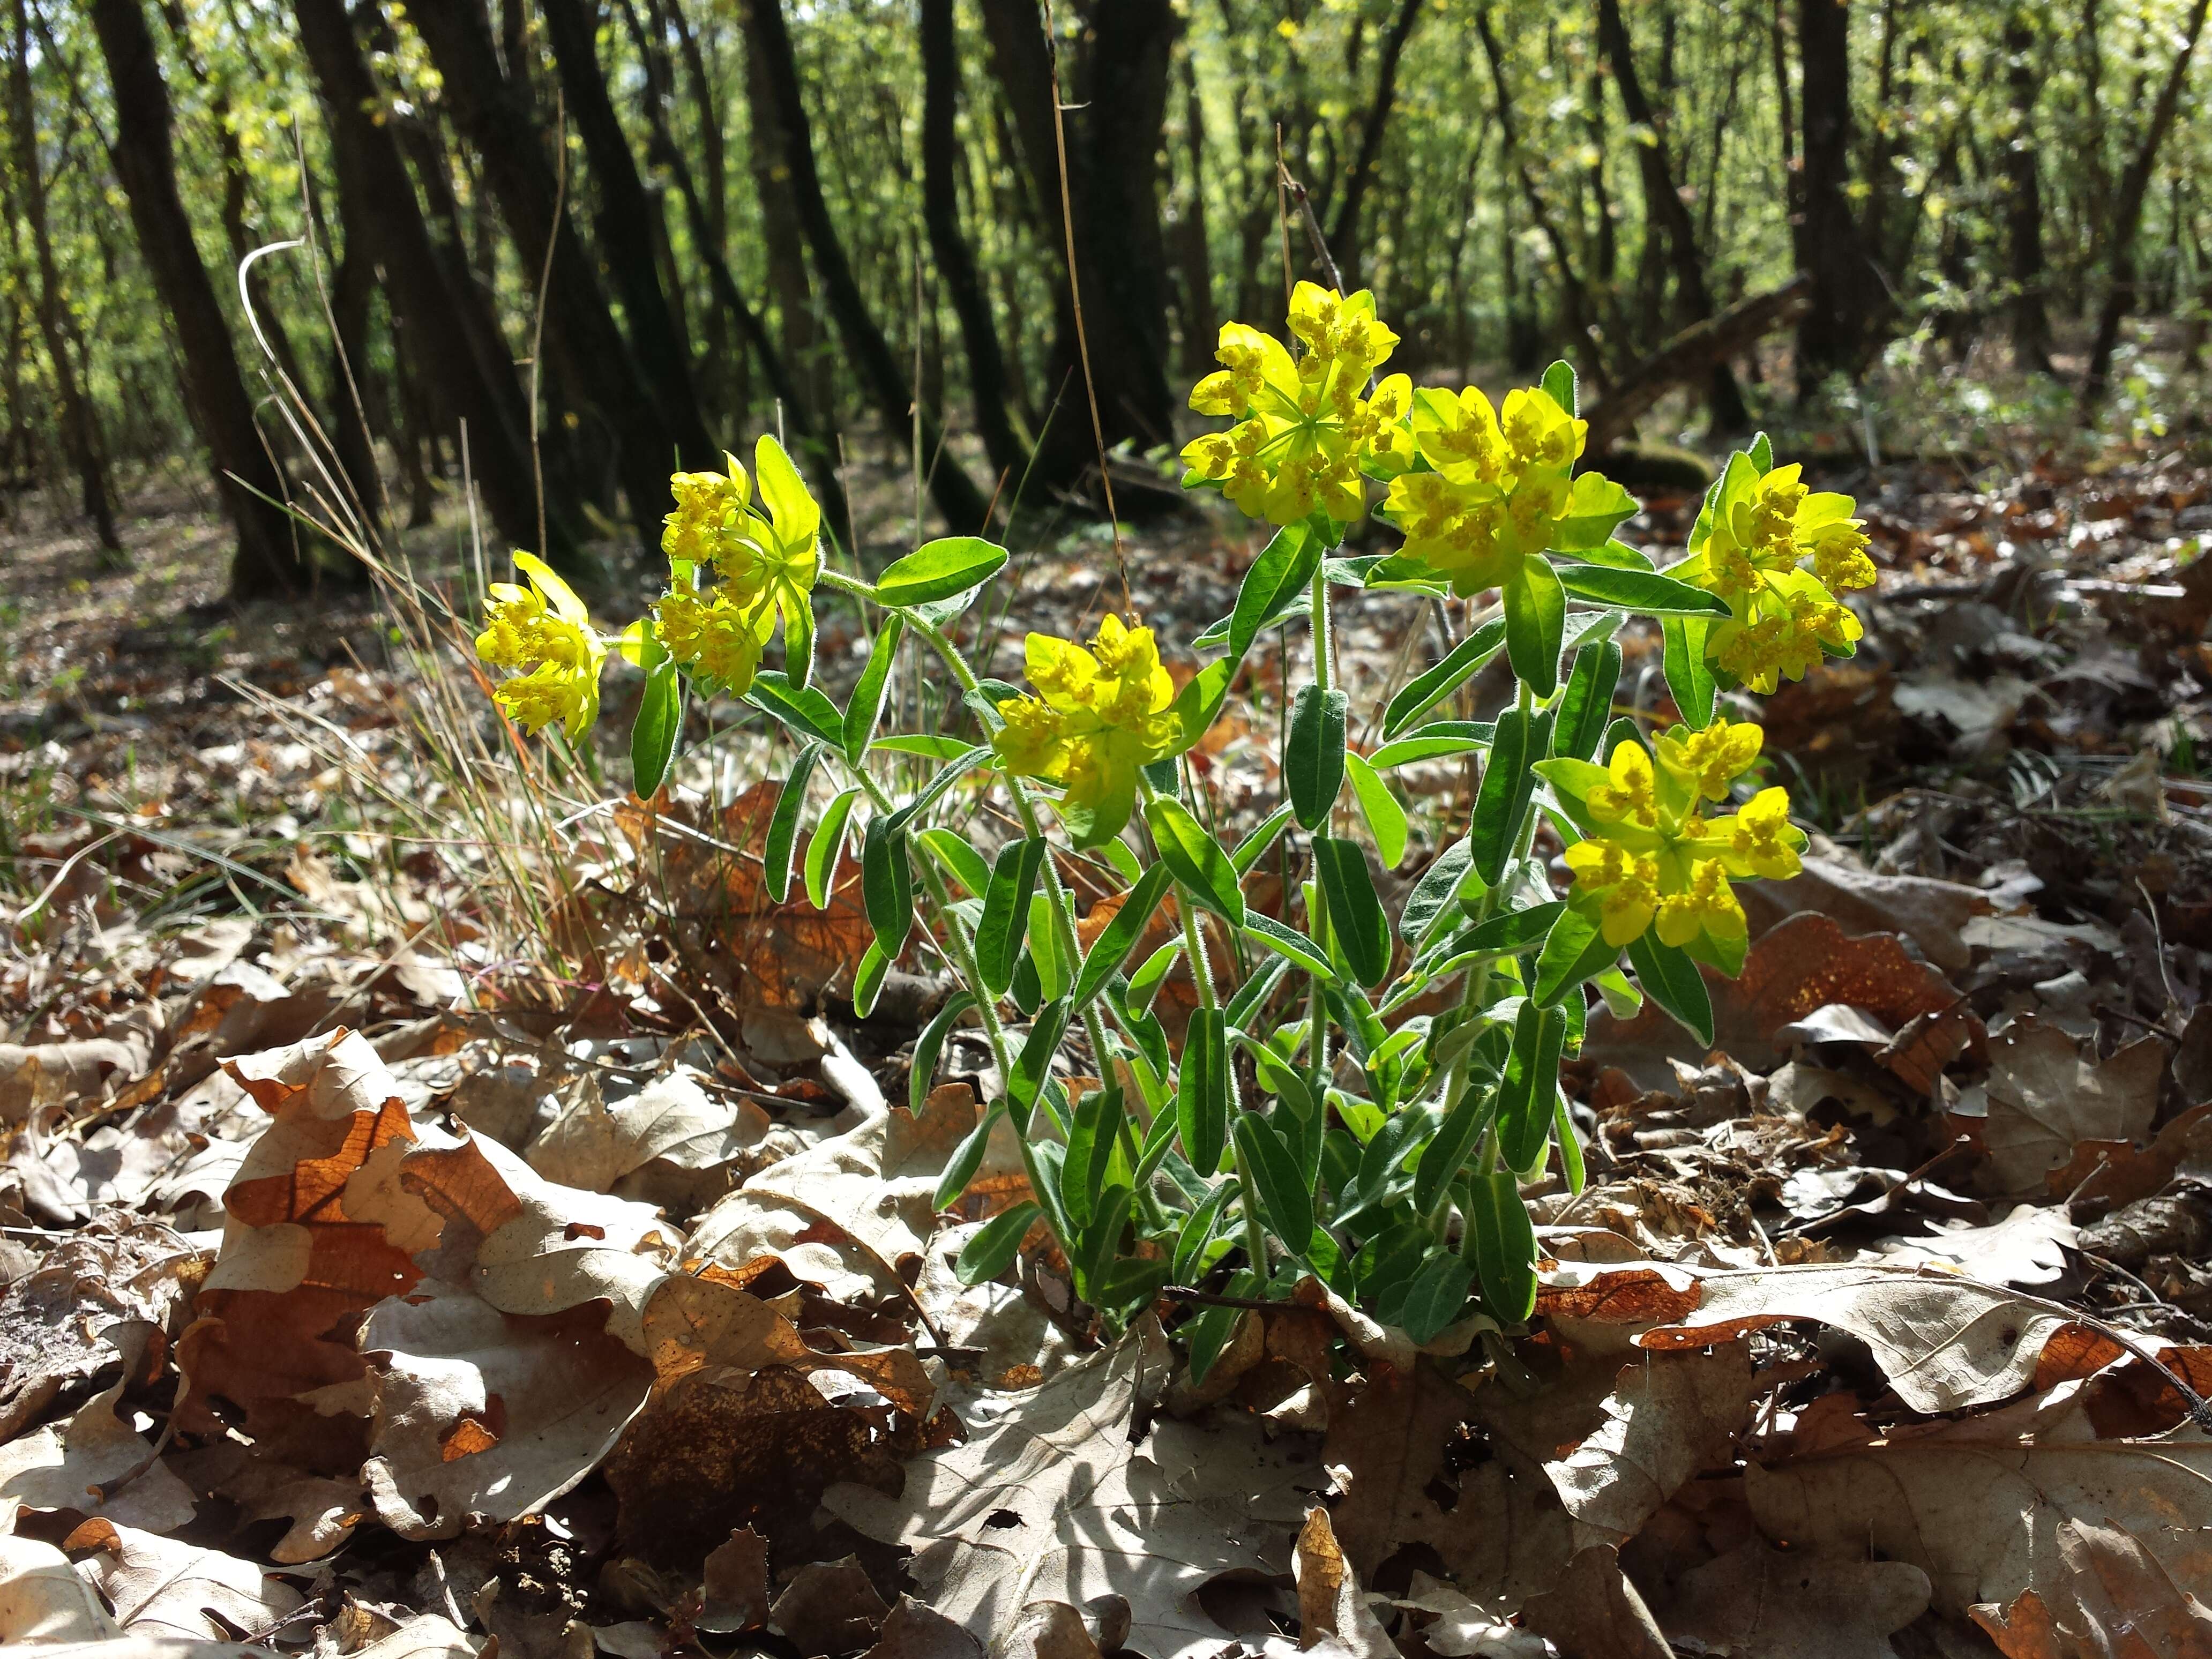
1359 1097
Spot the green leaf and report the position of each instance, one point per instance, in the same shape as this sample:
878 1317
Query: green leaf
1044 947
939 570
1240 1008
1145 984
1201 1101
1007 911
783 823
1435 1297
1430 687
1113 946
1559 384
1286 1201
1098 1118
967 1158
1762 452
1432 894
955 854
1689 676
1670 979
1354 912
1514 930
1386 819
868 979
1313 758
821 851
802 708
1208 1332
1502 800
887 886
945 777
1446 1153
1205 871
990 1250
1100 1243
1571 1148
1587 704
1596 507
1198 705
1033 1064
1524 1099
1278 576
929 1045
1289 942
1433 741
783 492
1504 1246
1644 590
1197 1230
1576 952
867 705
927 744
797 638
1253 847
1617 554
659 725
1536 624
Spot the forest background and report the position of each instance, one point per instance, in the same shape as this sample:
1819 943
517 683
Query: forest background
601 239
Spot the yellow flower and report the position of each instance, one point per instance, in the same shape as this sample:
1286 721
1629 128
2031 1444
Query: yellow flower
544 630
1760 841
1305 427
1630 797
1098 718
1705 904
764 559
1711 760
1624 883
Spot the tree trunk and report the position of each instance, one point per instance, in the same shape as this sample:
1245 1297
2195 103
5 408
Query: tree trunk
964 505
427 296
1574 299
1663 206
629 227
2127 213
1201 324
80 421
1344 234
493 111
956 265
268 559
1834 335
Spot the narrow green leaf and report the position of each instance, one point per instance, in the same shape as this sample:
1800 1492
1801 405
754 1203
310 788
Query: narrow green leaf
1197 1231
1646 592
1284 1198
1195 858
802 708
1576 952
927 745
1255 846
1313 758
1446 1154
866 707
1033 1064
1571 1147
1689 676
1098 1118
1560 384
1503 796
1102 1241
999 936
939 570
1436 1297
1536 624
967 1158
783 823
931 1044
1425 690
1208 1333
887 886
1433 741
1432 895
1386 819
1198 705
1278 576
1586 705
1151 974
1524 1110
1292 944
1113 946
798 637
990 1250
868 979
1052 972
1504 1246
957 856
660 724
1355 913
942 780
1202 1092
1670 979
821 851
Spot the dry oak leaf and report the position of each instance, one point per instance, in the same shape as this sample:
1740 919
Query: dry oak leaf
1977 1504
1331 1606
1763 1603
915 1631
1944 1342
1592 1612
734 1595
426 1636
43 1599
162 1587
672 1120
1932 914
1670 1417
1050 1500
315 1231
322 1510
829 1606
2045 1096
2116 1602
66 1466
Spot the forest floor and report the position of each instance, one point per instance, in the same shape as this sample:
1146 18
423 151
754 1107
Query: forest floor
1822 1350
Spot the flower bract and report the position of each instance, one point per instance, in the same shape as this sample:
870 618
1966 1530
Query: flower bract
544 631
1096 718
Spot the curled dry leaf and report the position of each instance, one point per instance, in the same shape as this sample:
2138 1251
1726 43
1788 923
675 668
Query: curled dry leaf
829 1606
1593 1612
1765 1603
2045 1096
1049 1499
734 1597
162 1587
2114 1600
43 1599
913 1631
661 1145
1331 1606
73 1466
1669 1417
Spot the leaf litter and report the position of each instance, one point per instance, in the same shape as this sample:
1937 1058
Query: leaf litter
408 1252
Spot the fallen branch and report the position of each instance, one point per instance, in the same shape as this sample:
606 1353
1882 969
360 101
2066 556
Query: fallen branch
1689 354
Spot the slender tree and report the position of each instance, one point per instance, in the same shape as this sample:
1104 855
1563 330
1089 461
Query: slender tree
268 559
1833 336
1360 178
2029 318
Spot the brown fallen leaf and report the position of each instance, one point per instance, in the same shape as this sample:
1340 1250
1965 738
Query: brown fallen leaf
1049 1500
2115 1601
43 1599
2044 1096
1765 1603
165 1588
734 1597
2103 1174
829 1606
1331 1607
71 1466
913 1631
1932 914
1595 1613
1670 1416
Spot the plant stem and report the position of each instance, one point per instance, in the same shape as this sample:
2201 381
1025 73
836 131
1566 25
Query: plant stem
1317 1043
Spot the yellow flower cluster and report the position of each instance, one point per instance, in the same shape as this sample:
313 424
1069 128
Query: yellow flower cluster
544 631
1782 556
1501 481
763 559
1306 428
1651 857
1097 718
